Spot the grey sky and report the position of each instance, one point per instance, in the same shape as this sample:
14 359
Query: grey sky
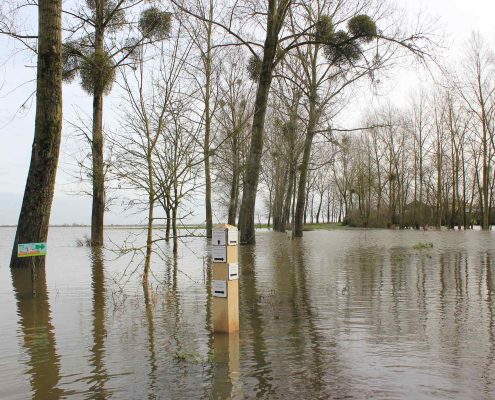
458 19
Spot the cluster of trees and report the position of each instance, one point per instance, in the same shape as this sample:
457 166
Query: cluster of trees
216 98
428 163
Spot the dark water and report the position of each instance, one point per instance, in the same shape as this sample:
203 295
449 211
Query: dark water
347 314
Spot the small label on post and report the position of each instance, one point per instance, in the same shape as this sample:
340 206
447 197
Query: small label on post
218 237
31 249
219 288
233 272
219 253
232 236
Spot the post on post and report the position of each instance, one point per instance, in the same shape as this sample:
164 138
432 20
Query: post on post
225 282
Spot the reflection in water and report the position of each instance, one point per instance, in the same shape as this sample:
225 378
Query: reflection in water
348 314
38 335
150 301
252 321
99 375
316 367
489 379
225 372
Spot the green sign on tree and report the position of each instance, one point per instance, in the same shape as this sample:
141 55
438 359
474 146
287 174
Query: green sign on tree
31 249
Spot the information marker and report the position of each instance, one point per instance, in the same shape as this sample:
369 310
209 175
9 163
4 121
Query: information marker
31 249
225 284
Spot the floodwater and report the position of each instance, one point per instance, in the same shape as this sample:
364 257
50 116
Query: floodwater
348 314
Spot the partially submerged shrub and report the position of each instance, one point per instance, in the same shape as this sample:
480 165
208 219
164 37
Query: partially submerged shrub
423 245
84 242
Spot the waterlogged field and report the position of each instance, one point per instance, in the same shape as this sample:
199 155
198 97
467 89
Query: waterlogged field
340 314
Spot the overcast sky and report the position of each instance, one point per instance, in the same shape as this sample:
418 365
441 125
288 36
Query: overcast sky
457 17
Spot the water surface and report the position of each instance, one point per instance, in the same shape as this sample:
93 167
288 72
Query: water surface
348 314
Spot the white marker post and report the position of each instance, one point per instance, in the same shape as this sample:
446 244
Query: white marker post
225 284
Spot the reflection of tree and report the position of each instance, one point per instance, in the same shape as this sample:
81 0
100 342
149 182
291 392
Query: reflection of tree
99 374
317 366
173 300
208 320
490 359
149 301
250 310
421 289
38 333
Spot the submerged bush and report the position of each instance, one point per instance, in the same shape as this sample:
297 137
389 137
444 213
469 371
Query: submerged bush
84 242
423 245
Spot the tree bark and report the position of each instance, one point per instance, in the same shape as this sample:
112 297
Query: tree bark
98 207
303 176
206 144
251 178
34 218
174 230
234 188
151 208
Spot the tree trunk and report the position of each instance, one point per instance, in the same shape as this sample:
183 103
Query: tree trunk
206 144
98 209
151 206
167 226
174 230
485 201
303 176
319 209
308 142
288 197
251 178
439 186
234 188
278 201
34 218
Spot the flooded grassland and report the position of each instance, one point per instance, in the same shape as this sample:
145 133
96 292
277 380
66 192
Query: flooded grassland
339 314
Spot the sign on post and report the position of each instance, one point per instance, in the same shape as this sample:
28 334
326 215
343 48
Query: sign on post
31 249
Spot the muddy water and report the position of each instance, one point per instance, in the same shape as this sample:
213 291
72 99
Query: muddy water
346 314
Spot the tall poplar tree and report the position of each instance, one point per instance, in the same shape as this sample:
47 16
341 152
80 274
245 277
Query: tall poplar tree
38 194
109 36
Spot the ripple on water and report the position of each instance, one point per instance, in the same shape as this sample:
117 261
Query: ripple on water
342 314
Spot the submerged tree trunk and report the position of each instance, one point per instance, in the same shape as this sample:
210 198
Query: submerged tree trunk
303 176
149 233
174 230
288 196
251 178
167 224
34 218
98 208
206 144
300 217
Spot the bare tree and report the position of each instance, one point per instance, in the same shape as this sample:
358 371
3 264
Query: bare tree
103 38
38 194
